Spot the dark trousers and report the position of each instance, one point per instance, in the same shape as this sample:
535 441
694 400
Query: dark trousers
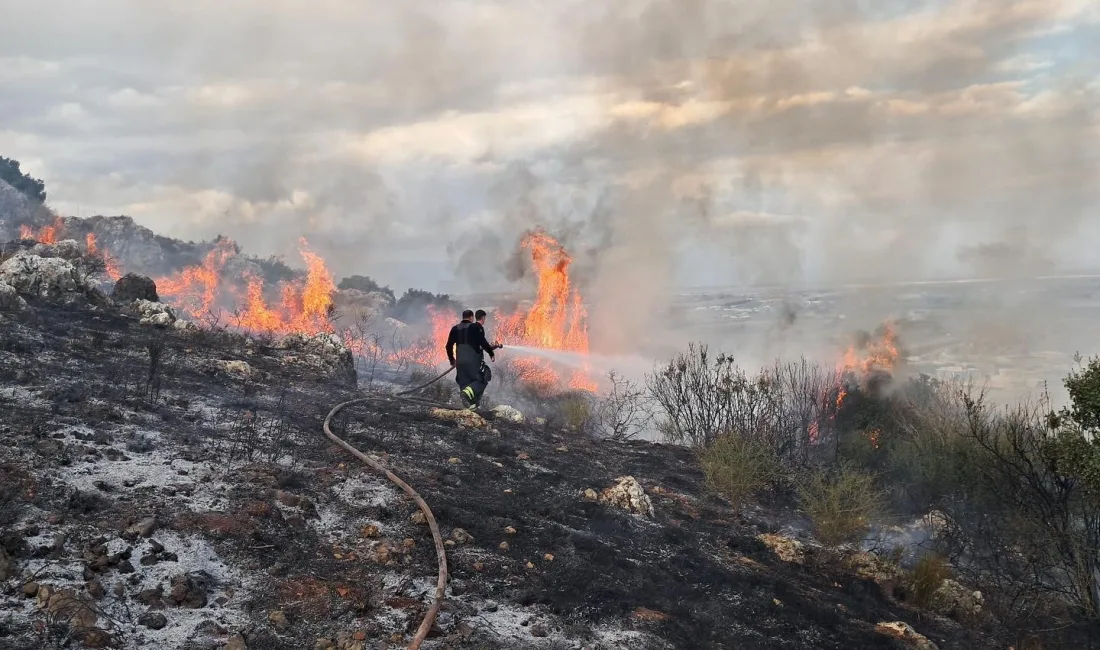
473 373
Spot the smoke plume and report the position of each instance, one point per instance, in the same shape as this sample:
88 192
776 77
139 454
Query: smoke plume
666 143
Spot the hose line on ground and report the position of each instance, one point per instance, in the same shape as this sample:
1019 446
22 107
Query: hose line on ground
440 552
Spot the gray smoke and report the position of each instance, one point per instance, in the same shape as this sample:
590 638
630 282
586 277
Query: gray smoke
664 142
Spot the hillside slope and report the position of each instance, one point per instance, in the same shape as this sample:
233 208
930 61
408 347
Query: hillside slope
172 488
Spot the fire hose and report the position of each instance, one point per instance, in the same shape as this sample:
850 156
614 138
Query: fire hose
375 463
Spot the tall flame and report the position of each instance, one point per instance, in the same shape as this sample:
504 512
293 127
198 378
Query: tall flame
304 308
556 320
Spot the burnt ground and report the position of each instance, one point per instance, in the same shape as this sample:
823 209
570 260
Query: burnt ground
156 493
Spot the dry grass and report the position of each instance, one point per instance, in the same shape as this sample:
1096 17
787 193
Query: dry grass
926 578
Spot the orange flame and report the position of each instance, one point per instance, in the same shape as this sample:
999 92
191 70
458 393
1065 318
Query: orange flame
873 355
47 235
113 271
195 288
304 307
557 319
864 357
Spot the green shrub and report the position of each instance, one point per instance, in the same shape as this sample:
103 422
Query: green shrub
737 467
576 411
841 503
927 576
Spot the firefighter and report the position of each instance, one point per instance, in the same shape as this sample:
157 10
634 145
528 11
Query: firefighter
466 346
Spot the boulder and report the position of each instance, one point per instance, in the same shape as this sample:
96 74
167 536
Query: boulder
10 300
464 418
785 548
505 412
66 249
50 278
237 368
153 313
905 633
627 494
323 351
132 286
956 601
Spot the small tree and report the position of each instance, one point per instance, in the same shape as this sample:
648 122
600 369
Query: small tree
33 188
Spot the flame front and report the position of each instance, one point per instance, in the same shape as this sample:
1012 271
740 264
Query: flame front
46 235
557 319
304 306
195 289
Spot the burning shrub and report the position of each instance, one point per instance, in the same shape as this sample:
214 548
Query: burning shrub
842 502
738 467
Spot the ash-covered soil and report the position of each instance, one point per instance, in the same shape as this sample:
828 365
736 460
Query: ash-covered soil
172 488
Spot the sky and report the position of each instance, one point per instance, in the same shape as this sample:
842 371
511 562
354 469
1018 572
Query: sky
668 143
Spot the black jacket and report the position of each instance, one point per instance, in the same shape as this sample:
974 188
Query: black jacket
471 334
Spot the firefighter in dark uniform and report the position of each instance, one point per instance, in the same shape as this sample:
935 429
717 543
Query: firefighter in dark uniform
466 346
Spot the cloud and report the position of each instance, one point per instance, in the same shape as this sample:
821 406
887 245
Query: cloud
763 141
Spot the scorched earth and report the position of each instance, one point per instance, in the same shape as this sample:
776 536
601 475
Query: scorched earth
167 485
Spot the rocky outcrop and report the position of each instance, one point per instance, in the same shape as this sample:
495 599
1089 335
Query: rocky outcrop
954 600
505 412
323 351
132 286
464 418
905 633
66 249
154 313
785 548
627 494
10 300
48 278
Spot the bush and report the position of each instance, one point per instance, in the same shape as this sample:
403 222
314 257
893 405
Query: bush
1016 497
841 503
927 576
415 305
790 407
738 467
576 411
365 284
